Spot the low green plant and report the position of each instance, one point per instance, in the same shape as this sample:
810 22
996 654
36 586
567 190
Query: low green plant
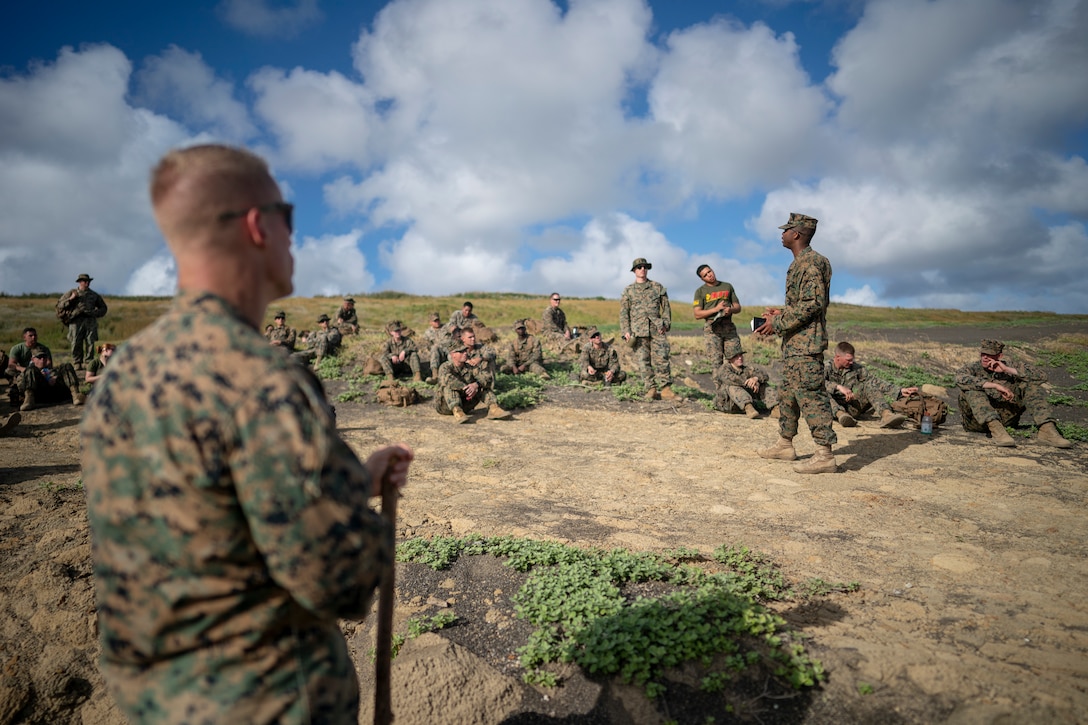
864 688
577 601
1073 431
329 368
628 391
906 376
433 623
519 391
817 587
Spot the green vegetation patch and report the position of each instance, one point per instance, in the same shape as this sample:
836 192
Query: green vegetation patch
593 608
519 391
906 376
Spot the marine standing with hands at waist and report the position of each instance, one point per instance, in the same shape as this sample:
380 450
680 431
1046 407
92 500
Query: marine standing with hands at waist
802 325
230 525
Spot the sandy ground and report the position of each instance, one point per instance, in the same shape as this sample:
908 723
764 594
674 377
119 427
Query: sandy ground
972 561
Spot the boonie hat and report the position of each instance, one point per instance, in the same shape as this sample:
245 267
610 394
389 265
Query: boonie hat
348 299
991 347
519 324
323 318
281 315
641 262
84 278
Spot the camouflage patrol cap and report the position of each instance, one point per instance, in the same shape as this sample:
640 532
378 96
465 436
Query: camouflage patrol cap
459 348
281 315
38 350
519 324
393 326
349 299
84 278
800 220
991 347
732 349
592 332
434 316
641 262
323 318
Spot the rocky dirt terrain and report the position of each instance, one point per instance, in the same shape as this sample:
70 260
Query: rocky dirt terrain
972 561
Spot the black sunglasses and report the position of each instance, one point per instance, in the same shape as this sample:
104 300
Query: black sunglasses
283 207
40 357
641 266
555 299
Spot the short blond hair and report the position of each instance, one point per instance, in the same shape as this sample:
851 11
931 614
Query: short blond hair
192 187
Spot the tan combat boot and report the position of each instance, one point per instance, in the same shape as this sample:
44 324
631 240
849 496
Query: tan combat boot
651 394
890 419
1000 436
821 462
78 398
668 394
782 451
776 413
459 416
494 412
417 378
28 401
1048 433
845 419
750 410
10 423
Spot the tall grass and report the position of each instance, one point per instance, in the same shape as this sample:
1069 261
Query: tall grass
128 315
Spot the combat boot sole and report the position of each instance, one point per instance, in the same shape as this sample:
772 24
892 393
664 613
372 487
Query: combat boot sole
782 451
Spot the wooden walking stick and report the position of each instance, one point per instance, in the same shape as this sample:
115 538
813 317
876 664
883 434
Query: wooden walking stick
383 708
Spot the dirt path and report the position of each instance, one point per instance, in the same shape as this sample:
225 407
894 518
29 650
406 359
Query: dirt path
972 560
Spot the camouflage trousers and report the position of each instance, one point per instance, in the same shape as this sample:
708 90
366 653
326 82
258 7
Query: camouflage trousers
410 365
83 335
33 379
978 407
803 391
865 399
715 338
733 398
446 399
439 355
598 377
652 354
534 367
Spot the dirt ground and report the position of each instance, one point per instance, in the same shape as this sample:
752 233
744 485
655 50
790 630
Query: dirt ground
972 560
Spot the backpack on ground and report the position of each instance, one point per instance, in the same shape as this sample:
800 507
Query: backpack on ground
395 394
915 405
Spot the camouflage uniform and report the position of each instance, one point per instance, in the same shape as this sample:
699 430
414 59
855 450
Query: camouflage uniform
732 396
525 351
869 390
348 319
230 528
86 307
321 343
979 406
603 359
394 347
284 335
459 320
803 329
452 381
440 338
63 377
554 322
645 314
718 330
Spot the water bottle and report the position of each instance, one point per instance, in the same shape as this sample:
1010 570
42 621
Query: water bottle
927 423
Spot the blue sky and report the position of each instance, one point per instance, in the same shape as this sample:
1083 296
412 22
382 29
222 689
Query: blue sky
442 146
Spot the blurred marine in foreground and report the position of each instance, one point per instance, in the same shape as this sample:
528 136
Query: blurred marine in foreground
230 523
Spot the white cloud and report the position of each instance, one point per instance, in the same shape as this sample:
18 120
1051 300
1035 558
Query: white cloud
73 173
738 109
180 83
258 17
157 276
330 265
863 296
